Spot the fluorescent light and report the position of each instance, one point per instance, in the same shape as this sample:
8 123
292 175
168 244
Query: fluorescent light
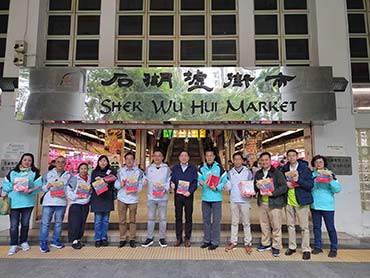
286 133
62 147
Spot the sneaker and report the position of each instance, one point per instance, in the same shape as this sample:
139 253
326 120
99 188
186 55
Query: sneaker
230 247
332 254
205 245
248 248
98 243
25 246
317 251
212 247
289 252
263 248
12 250
162 242
275 252
122 243
76 245
147 243
132 243
44 248
104 243
306 255
57 244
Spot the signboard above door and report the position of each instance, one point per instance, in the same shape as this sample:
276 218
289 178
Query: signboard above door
98 95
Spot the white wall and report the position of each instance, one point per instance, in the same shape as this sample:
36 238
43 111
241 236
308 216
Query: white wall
333 50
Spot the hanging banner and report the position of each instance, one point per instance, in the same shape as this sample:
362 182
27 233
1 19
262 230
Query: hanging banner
176 94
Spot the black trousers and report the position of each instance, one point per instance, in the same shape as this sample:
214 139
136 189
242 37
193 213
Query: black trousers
182 204
77 216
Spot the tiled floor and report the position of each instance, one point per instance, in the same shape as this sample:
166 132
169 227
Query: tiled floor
179 253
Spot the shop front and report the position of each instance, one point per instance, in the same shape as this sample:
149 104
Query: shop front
85 112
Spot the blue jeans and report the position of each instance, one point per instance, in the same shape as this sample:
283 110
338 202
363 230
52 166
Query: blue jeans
47 215
101 223
328 216
23 216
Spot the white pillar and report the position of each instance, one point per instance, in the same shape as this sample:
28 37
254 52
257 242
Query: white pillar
333 50
107 33
246 33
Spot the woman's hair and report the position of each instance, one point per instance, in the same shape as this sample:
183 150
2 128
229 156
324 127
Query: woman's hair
317 157
82 164
33 167
100 158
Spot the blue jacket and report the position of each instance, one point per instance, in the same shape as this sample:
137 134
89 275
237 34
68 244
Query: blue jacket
52 176
190 175
209 195
21 199
305 183
323 194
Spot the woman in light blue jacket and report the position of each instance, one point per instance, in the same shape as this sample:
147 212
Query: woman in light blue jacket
323 206
22 184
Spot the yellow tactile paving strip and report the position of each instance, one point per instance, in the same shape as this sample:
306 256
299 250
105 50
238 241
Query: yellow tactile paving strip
181 253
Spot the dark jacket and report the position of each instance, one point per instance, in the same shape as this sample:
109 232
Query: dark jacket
279 197
190 175
105 201
305 183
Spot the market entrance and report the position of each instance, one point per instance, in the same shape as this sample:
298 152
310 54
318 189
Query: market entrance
86 144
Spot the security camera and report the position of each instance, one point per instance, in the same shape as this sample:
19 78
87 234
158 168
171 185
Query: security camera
19 59
20 46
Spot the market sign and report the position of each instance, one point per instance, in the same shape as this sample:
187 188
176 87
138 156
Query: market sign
176 94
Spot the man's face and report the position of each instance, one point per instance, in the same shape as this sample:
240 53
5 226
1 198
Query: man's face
184 157
60 163
265 161
210 157
157 157
238 161
129 161
292 157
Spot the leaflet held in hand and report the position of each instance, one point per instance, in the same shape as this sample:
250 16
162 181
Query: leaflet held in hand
100 186
83 190
131 185
183 187
246 188
57 189
20 184
266 185
158 189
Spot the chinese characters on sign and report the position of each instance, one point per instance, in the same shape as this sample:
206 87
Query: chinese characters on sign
340 165
195 81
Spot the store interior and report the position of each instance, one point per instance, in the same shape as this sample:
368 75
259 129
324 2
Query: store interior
86 145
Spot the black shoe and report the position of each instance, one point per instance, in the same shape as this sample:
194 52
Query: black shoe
98 243
306 256
212 247
275 252
104 242
162 242
148 242
332 254
132 243
317 251
289 252
76 246
122 243
205 245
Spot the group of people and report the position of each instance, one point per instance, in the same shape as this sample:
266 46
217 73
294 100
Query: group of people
299 193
